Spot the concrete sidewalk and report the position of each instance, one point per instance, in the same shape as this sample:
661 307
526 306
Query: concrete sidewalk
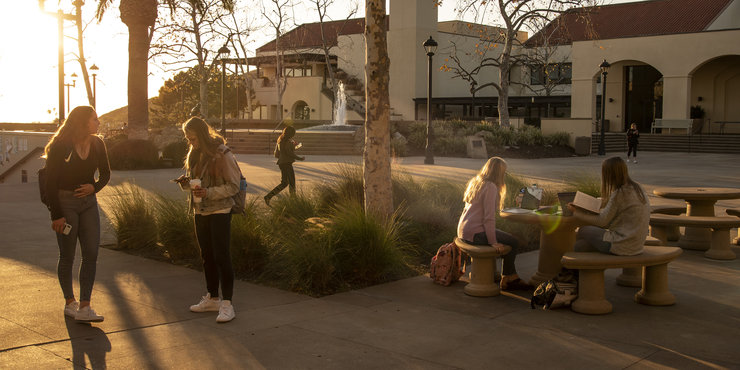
410 323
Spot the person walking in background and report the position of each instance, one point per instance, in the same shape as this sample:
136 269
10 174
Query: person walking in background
483 199
622 224
633 138
285 153
212 177
73 155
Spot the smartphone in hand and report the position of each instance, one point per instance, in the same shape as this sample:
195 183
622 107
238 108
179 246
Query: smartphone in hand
67 229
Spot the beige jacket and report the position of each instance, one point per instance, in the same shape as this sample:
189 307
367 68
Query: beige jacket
220 190
626 220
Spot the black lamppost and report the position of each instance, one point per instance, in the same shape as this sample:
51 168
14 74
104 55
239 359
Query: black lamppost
94 70
430 46
604 66
74 81
223 52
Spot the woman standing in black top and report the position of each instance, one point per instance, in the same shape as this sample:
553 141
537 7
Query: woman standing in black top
73 155
285 153
633 138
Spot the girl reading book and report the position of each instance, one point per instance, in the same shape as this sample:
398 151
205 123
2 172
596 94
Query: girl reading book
621 225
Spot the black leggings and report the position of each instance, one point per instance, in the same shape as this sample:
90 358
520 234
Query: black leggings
508 267
632 149
214 238
287 179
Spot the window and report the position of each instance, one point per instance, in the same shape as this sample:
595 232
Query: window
298 72
560 73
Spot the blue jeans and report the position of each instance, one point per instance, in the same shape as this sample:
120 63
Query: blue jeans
214 239
83 215
591 238
507 266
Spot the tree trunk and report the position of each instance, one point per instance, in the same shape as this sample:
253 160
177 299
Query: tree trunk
377 153
504 82
138 99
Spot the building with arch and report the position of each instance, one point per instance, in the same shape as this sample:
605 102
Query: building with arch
668 57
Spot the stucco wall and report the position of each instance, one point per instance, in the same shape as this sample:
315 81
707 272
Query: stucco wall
676 57
574 127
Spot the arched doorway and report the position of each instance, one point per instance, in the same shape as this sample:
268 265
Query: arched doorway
301 111
643 99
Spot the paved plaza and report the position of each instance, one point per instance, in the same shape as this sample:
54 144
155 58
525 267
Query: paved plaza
407 324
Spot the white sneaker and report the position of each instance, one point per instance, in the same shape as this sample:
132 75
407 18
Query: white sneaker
87 314
225 312
71 309
206 304
628 160
635 160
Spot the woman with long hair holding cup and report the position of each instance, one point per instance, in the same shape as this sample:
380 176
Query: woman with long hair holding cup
213 179
73 156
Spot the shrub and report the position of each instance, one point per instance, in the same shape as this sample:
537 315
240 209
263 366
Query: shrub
558 139
132 217
175 228
176 151
367 249
249 245
398 147
132 154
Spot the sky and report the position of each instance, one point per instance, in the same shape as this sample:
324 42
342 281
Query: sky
28 57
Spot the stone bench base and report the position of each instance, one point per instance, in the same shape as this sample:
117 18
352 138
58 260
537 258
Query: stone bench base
591 265
632 276
719 248
735 212
672 232
483 269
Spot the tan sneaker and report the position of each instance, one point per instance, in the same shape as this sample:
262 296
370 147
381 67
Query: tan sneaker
206 304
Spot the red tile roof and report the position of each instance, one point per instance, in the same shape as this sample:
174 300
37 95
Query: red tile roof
308 35
646 18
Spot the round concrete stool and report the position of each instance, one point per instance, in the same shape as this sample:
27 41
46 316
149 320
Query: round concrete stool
483 269
632 276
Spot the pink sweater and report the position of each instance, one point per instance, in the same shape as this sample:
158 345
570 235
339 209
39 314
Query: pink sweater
480 215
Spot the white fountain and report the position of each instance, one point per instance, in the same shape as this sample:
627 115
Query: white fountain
340 106
339 122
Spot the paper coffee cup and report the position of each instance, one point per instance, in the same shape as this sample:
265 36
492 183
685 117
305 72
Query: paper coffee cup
195 184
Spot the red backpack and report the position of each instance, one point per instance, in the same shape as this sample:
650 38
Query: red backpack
445 268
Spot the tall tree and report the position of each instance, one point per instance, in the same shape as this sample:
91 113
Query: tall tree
190 35
139 16
511 17
277 14
376 156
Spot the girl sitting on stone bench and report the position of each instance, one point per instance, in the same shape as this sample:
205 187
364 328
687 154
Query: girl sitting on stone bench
483 199
622 225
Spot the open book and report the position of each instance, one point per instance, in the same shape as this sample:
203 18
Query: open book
586 202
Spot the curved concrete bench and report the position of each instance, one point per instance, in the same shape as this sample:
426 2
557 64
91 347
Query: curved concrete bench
482 271
632 276
591 298
719 248
672 232
735 212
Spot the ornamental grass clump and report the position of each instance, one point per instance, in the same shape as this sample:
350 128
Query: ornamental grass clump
175 228
132 217
249 242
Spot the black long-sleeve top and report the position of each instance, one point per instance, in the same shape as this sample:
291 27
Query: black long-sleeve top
285 152
67 171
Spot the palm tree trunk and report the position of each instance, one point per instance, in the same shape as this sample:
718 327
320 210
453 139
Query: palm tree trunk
138 98
377 153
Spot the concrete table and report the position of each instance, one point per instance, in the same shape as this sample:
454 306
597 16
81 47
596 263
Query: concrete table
557 236
699 202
